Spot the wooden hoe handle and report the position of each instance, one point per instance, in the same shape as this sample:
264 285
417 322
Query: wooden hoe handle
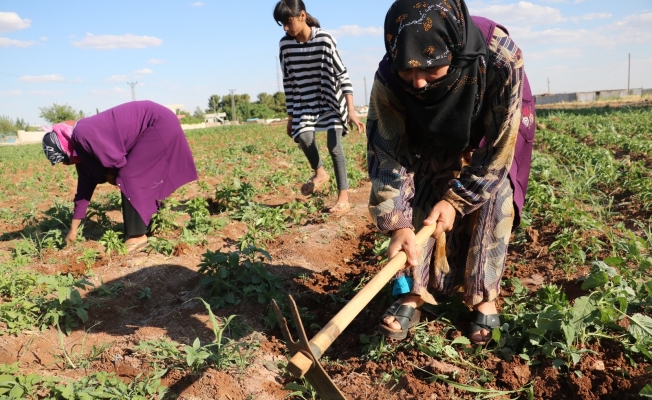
300 364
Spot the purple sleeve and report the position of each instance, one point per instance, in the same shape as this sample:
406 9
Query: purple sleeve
85 188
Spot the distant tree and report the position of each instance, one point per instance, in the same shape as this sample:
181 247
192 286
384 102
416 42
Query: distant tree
7 125
264 98
213 104
261 111
198 113
279 104
242 106
60 112
21 124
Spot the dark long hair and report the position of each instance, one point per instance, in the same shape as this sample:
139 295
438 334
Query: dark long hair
292 8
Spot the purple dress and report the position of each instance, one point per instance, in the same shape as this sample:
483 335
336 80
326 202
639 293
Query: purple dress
143 145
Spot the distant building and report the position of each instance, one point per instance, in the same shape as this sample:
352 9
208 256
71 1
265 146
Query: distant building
215 118
175 108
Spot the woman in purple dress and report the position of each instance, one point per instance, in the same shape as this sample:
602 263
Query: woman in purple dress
138 147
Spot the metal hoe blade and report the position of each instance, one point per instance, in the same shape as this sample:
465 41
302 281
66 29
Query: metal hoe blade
316 376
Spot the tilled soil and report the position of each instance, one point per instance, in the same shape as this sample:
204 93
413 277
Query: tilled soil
315 260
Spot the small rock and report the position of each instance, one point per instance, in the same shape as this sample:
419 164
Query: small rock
598 366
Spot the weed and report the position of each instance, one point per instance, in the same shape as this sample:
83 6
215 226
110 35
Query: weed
112 243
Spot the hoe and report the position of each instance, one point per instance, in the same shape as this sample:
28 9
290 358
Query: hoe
305 354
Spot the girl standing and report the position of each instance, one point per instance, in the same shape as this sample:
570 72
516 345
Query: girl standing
318 93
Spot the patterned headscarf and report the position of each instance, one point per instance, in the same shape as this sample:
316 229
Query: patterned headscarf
423 34
58 144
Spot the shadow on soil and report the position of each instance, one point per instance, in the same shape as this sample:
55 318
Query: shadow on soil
121 308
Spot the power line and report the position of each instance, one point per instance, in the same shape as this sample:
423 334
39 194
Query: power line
602 77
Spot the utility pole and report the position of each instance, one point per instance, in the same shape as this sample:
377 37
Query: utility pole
548 85
232 91
278 75
133 90
366 103
629 70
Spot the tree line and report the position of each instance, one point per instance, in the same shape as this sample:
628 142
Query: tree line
265 107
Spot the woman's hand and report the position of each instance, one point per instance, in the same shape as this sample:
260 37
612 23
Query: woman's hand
72 234
354 121
442 214
404 239
289 127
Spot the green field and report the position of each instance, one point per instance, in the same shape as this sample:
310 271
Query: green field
576 301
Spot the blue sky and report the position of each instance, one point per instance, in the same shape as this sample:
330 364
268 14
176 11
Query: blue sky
83 53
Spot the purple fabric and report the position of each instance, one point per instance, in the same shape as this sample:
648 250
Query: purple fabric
519 172
142 143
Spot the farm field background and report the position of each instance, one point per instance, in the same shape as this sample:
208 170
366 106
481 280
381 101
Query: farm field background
190 318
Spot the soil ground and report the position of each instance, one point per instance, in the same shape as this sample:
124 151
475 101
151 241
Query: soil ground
315 260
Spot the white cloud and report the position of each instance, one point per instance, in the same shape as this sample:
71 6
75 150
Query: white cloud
355 30
11 93
48 92
109 92
526 37
76 80
521 12
10 21
112 42
634 28
556 53
144 71
156 61
591 16
197 4
116 78
41 78
6 42
43 38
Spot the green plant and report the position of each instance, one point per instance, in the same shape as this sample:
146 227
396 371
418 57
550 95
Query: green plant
160 245
145 293
233 196
165 219
88 257
112 242
236 276
200 217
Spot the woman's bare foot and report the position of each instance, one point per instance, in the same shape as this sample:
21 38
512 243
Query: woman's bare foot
412 300
315 183
342 206
136 240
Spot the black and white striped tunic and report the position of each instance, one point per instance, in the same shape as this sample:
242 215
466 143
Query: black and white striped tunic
315 82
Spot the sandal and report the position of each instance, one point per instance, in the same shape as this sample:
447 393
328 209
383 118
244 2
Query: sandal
480 321
311 186
406 316
135 247
340 208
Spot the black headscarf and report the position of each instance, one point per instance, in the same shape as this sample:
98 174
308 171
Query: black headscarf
423 34
53 149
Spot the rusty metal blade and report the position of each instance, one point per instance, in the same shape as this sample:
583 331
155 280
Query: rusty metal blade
316 376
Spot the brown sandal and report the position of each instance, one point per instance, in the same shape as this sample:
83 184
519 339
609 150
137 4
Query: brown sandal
406 316
340 208
311 186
